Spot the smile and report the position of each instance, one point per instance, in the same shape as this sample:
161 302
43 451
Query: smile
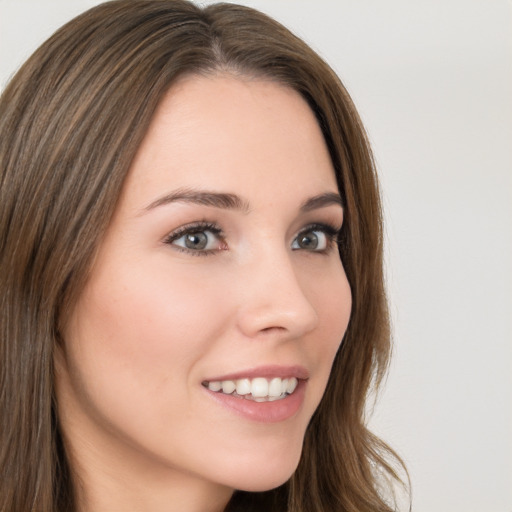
259 389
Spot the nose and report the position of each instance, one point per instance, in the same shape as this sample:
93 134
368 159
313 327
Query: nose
273 300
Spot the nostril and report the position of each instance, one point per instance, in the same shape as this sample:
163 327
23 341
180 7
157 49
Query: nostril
272 329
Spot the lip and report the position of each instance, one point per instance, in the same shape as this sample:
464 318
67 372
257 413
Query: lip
297 371
263 412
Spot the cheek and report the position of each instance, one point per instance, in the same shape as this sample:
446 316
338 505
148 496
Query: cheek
153 312
133 336
132 345
333 302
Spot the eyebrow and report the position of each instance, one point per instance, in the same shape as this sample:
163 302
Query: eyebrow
233 202
321 201
203 197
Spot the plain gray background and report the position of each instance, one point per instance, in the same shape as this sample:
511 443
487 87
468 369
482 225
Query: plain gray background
433 82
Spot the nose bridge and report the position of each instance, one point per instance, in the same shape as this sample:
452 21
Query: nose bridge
273 298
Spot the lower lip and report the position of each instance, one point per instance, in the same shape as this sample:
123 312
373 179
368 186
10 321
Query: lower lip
263 412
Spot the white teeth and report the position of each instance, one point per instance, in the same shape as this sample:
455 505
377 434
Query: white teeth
243 386
259 389
215 385
228 386
292 384
274 388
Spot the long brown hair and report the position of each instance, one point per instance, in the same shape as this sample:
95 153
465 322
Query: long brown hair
71 121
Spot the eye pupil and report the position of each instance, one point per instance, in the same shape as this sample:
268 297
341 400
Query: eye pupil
196 240
308 240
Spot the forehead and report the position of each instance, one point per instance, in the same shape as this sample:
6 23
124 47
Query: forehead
225 132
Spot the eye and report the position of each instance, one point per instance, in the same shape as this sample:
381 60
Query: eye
197 241
312 240
197 238
318 238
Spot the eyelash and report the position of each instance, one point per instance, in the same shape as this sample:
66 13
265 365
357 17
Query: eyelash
331 232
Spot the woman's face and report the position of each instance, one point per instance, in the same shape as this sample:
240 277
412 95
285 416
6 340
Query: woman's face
219 270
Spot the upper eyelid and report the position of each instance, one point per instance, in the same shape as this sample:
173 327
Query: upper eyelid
214 227
191 227
321 226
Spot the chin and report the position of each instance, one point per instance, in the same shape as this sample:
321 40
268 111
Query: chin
263 476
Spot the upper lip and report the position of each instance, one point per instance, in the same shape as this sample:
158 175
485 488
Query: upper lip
297 371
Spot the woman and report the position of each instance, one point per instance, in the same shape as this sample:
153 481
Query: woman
193 309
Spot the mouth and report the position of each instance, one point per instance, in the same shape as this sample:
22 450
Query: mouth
264 394
258 389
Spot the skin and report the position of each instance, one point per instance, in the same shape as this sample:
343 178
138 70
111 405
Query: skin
155 320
